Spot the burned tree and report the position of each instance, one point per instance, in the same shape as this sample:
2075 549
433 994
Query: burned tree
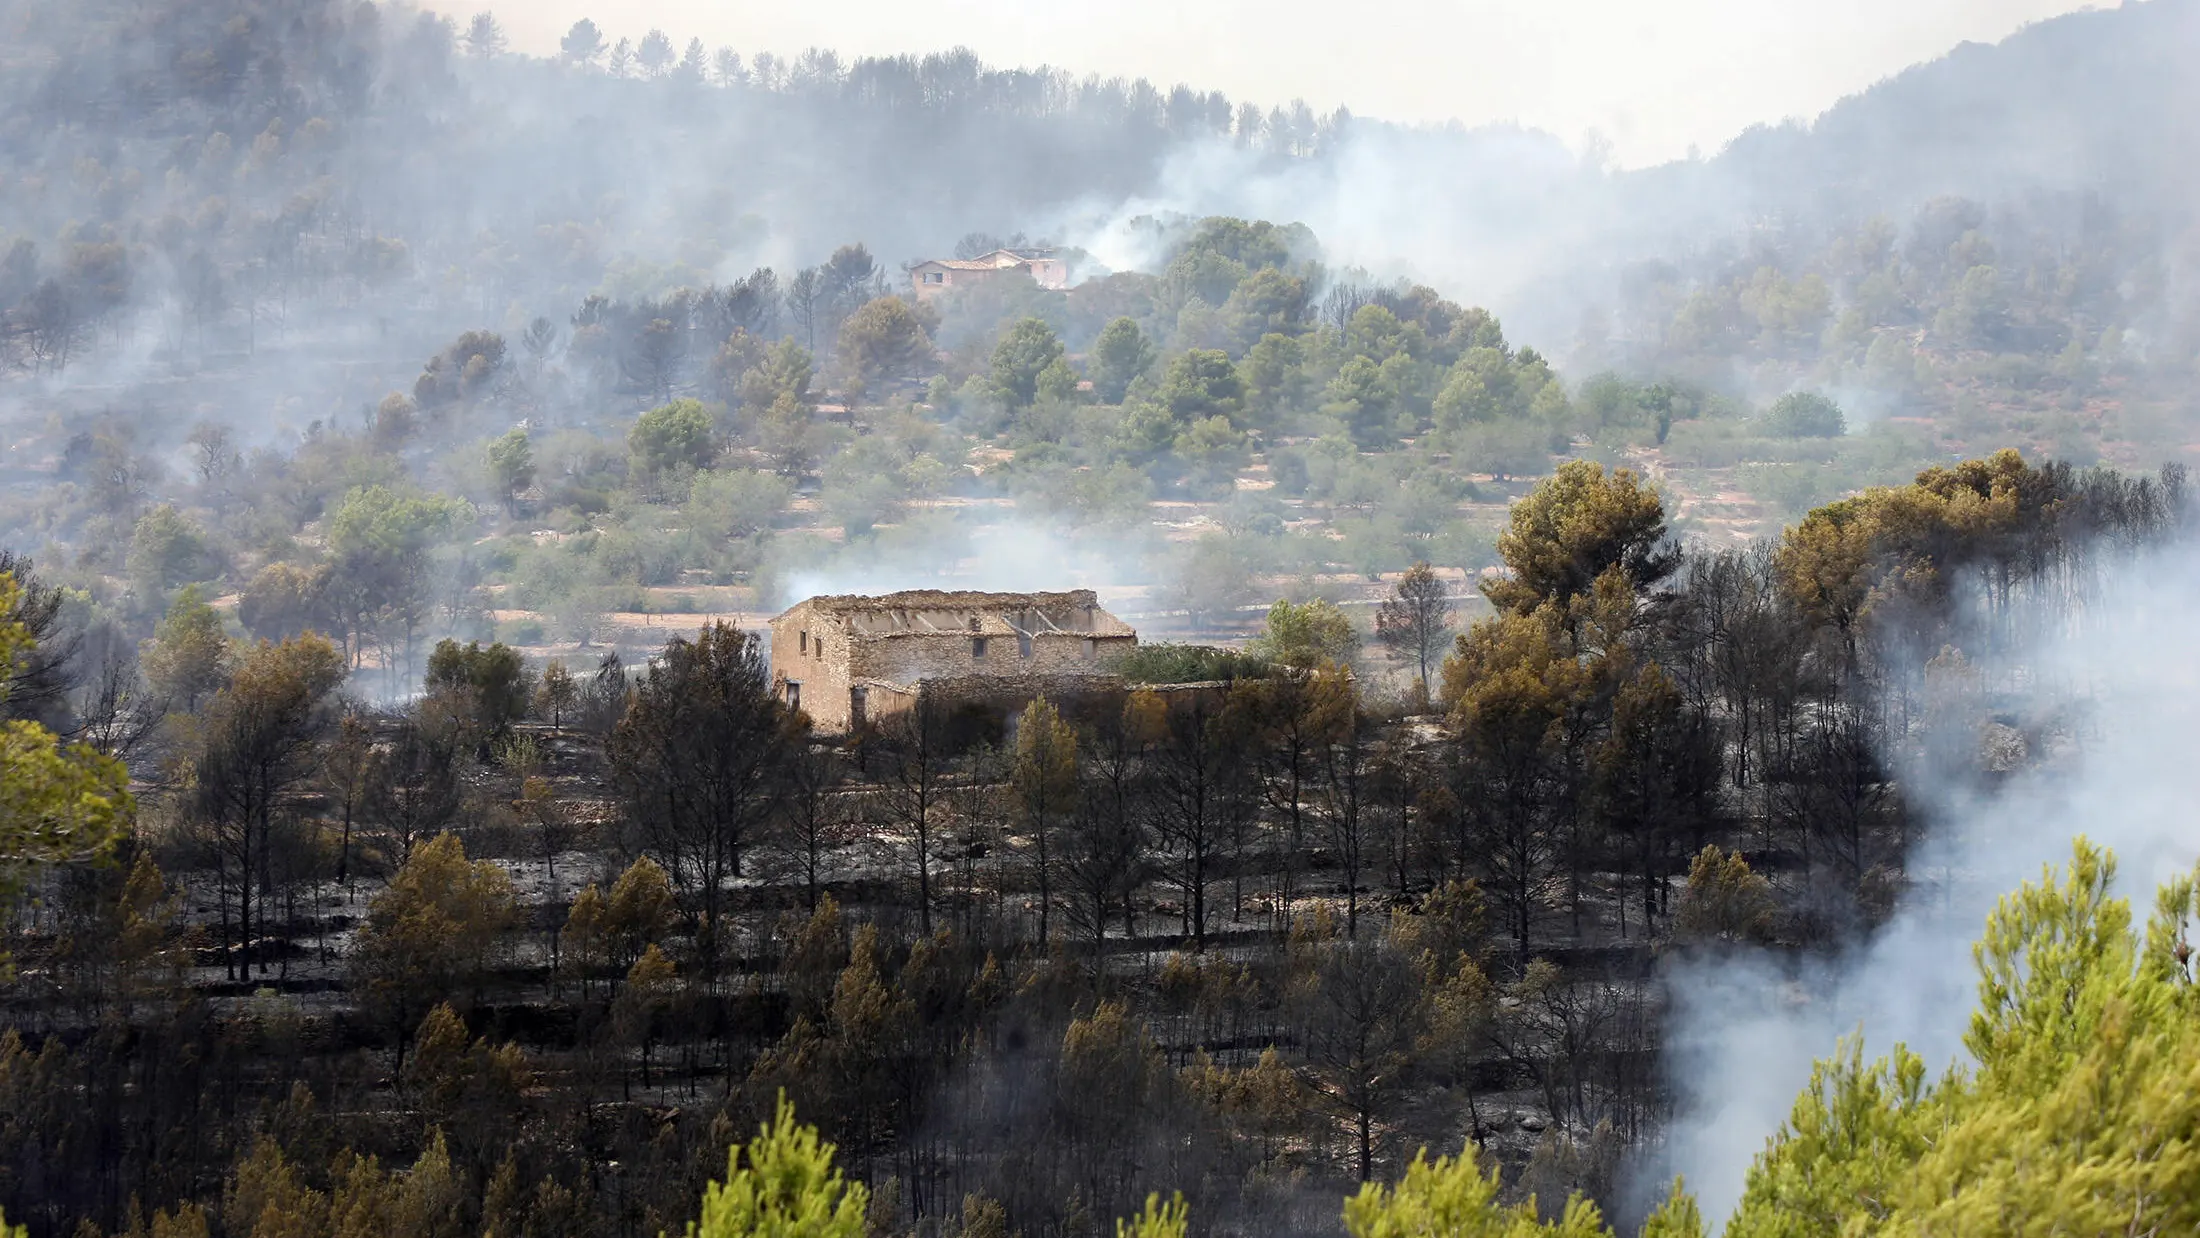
701 759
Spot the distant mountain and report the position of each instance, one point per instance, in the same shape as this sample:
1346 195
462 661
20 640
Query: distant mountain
236 147
2070 118
2097 102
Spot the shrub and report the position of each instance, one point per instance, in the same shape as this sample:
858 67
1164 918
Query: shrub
1170 663
1804 414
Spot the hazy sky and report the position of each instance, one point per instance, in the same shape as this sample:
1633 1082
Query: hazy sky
1652 76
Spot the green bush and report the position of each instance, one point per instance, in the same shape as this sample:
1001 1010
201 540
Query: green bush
520 631
1803 414
1164 663
783 1184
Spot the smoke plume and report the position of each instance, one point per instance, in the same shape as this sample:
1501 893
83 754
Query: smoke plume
2101 716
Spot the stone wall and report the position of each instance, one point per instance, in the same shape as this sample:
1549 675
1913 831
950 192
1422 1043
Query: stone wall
811 649
984 708
850 661
908 657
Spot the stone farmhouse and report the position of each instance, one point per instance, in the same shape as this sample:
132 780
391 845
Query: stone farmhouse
851 661
1041 266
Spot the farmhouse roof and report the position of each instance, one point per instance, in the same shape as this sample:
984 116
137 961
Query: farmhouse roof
931 612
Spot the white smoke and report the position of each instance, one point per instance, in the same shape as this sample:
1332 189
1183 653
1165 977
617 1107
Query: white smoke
1499 217
2116 694
1005 557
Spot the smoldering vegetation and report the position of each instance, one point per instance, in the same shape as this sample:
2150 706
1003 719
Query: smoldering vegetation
2061 709
1255 941
405 438
262 161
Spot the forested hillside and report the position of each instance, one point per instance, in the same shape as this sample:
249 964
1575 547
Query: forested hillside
1552 582
327 163
1984 250
553 937
274 214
